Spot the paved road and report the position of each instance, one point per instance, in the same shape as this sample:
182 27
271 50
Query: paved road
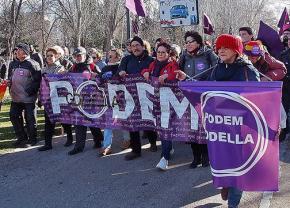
30 179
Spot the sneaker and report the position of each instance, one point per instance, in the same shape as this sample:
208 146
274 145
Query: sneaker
32 142
68 143
125 144
20 144
132 156
75 151
163 164
224 193
153 148
105 151
44 148
194 164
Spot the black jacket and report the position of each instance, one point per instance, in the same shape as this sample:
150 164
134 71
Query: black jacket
134 65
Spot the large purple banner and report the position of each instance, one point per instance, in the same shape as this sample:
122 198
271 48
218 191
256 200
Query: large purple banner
130 103
238 120
241 120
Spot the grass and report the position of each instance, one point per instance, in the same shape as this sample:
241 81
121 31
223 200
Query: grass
7 135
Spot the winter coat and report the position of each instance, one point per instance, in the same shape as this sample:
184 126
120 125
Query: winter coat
240 70
134 65
169 69
285 58
53 69
271 67
201 61
25 81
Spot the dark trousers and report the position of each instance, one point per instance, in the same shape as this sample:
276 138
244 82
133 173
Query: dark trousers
286 100
16 119
200 153
81 135
166 148
135 140
49 130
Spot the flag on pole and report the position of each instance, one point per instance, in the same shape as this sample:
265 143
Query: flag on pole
137 7
271 39
207 25
284 19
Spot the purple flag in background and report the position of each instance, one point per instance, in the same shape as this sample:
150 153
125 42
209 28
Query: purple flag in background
240 130
207 25
137 7
271 39
283 20
135 26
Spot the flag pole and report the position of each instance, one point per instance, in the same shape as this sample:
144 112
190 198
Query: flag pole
128 24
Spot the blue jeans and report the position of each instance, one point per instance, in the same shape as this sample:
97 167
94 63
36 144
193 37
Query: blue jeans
108 135
234 197
166 147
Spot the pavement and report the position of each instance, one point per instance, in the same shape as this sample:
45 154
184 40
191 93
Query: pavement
52 179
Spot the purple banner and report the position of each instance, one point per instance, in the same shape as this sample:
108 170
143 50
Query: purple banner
241 121
132 104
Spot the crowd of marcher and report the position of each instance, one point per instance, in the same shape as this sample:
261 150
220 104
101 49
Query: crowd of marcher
229 58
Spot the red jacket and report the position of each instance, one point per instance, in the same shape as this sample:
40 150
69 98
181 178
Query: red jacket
168 69
271 67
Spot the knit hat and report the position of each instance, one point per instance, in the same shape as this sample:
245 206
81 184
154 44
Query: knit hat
138 39
52 49
24 47
248 29
231 42
254 48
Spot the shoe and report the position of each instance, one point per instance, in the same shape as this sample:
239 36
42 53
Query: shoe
98 145
68 143
105 151
194 164
125 144
20 144
204 162
224 193
32 142
74 151
132 156
163 164
153 148
44 148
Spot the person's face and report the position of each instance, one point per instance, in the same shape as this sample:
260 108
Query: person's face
95 58
21 55
246 37
50 57
128 46
80 58
227 55
254 59
191 44
162 54
137 48
113 57
286 33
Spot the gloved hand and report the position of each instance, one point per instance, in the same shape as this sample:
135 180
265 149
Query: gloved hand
107 75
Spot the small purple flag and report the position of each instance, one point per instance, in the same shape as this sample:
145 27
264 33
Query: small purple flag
207 25
271 39
284 18
137 7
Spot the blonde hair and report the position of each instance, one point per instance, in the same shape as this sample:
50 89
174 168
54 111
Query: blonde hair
147 46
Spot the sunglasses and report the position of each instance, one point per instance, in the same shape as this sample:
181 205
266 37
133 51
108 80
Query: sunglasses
190 41
94 57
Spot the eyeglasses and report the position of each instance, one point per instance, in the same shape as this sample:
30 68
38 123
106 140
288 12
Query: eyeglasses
161 52
189 41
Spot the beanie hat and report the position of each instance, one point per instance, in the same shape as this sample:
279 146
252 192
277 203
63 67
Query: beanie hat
79 50
138 39
53 50
231 42
24 47
254 48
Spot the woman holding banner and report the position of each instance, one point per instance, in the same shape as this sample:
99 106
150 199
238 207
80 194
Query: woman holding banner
196 59
164 68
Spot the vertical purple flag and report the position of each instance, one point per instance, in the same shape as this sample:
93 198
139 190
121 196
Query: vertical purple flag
241 131
137 7
207 25
283 20
271 39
